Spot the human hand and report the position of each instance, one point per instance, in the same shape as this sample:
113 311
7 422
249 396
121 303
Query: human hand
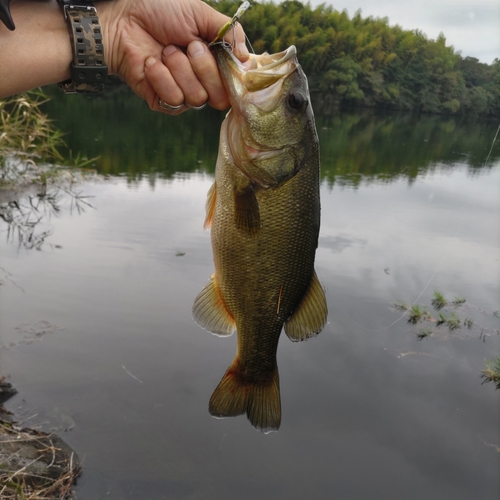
159 47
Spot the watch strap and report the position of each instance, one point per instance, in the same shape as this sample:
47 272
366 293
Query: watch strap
88 68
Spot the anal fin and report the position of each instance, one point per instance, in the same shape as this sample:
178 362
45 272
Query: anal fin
310 316
210 312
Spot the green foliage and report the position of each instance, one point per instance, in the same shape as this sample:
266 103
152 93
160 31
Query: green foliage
458 300
366 62
449 316
31 144
25 131
492 371
438 302
417 314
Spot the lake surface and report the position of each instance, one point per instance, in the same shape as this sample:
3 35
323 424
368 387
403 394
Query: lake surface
97 335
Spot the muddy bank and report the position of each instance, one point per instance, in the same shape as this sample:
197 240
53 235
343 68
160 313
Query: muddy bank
34 465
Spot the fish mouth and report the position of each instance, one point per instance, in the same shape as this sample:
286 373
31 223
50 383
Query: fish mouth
255 88
260 73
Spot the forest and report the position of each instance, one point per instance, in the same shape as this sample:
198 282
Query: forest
366 62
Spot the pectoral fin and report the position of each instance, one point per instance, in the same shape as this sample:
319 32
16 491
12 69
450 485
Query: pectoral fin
310 316
210 205
246 209
210 312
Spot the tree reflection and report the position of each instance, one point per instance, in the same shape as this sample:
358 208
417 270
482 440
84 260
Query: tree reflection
356 147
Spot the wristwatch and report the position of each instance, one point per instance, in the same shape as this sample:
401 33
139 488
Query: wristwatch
88 68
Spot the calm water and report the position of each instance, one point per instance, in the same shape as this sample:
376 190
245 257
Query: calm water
124 375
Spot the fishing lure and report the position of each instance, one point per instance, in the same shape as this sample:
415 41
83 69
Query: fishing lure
231 23
5 15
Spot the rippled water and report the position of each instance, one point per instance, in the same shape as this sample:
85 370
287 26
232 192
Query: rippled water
123 374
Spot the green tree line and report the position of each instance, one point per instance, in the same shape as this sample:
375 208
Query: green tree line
366 62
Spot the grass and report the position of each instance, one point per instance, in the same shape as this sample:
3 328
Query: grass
453 319
492 372
453 322
468 323
30 144
458 301
438 302
28 480
25 131
417 313
424 332
29 156
401 306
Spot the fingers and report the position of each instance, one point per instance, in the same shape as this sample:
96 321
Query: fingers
193 92
164 87
206 70
191 79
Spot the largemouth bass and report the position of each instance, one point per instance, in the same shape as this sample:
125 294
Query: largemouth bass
264 214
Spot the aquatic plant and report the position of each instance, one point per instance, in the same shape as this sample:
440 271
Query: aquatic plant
424 332
492 371
442 319
418 313
454 322
438 302
468 323
458 300
400 305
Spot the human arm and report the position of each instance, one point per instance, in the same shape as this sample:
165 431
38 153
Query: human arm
156 46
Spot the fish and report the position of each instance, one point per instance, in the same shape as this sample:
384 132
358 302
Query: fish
264 214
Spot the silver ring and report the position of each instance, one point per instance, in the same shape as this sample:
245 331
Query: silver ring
197 108
168 107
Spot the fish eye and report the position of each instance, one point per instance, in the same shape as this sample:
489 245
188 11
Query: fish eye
296 100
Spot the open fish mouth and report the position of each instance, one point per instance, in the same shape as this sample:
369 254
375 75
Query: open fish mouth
259 73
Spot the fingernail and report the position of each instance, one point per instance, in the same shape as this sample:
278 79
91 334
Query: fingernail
196 48
169 49
150 61
243 51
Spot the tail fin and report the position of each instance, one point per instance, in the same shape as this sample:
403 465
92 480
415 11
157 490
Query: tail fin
260 400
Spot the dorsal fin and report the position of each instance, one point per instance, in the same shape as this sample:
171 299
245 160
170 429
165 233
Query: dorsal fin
246 209
210 312
210 205
310 316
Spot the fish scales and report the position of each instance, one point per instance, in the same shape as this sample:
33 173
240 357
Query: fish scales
280 257
264 213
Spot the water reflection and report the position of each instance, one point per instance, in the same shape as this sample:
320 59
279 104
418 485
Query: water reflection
390 411
26 212
356 147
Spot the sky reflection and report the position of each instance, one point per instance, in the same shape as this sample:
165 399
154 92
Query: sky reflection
368 410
